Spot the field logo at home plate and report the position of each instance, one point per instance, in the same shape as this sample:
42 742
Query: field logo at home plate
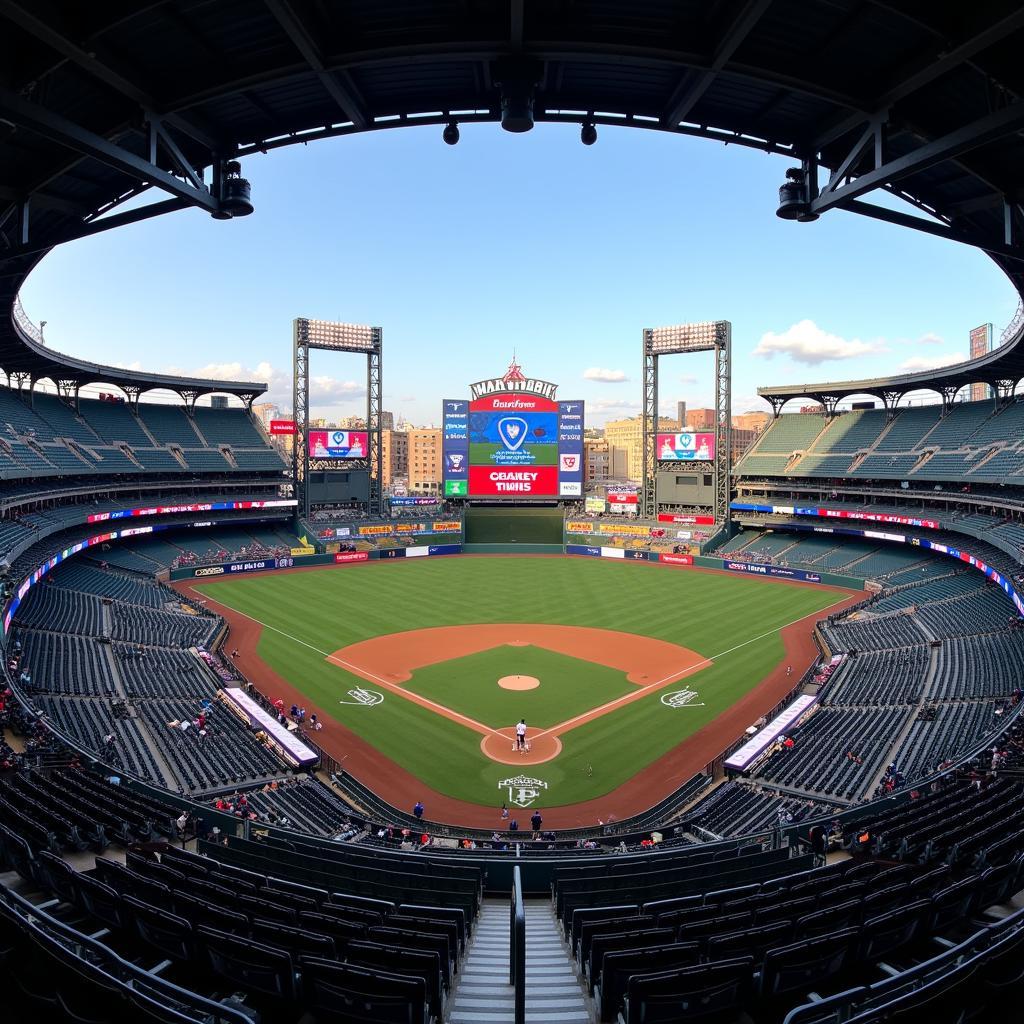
522 790
368 698
682 699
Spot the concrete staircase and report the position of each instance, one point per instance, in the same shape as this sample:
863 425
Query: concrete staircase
553 992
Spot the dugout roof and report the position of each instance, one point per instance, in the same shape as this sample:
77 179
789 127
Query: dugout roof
100 100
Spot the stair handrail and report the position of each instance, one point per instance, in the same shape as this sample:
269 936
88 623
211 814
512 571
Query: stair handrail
517 946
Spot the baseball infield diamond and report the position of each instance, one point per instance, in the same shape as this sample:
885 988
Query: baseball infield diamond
646 672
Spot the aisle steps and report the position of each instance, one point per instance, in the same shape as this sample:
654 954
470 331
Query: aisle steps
483 995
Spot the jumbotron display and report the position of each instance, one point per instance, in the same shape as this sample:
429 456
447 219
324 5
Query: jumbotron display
513 439
338 444
686 446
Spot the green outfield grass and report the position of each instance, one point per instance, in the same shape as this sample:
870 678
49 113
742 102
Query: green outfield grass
568 686
732 619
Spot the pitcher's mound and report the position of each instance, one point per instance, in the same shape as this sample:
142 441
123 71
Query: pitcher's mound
519 682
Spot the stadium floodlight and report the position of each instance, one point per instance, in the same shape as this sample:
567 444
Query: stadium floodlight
696 337
335 336
341 337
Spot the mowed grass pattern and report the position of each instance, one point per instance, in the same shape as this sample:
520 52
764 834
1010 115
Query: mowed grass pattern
733 619
568 686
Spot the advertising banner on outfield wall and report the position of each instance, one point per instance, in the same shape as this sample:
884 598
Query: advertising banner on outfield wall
775 571
341 557
673 517
676 559
594 505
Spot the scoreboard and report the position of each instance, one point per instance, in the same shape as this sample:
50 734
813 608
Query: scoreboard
513 444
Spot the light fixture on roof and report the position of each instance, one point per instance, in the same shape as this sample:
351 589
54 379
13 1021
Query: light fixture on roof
235 192
588 133
517 78
794 201
451 133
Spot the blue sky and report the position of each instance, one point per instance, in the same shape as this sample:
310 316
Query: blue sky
532 243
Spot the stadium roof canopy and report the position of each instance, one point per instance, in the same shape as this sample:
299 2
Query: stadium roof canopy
101 101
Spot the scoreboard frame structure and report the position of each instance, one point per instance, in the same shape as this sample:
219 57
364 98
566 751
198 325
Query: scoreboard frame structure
706 336
334 336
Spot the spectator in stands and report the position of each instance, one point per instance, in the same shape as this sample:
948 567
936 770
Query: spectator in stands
184 826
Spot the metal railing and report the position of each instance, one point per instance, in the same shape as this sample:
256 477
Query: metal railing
21 318
1011 330
517 946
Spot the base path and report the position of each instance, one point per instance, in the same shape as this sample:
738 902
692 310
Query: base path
395 656
391 782
388 661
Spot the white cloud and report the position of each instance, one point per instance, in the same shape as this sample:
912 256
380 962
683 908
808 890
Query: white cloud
324 392
932 362
931 339
806 342
605 376
687 378
603 404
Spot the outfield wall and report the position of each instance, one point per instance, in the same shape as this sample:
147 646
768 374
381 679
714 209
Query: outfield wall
216 571
512 549
488 525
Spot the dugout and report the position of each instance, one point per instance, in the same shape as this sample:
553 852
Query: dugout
524 529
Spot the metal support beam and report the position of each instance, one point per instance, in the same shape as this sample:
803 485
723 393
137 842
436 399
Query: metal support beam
723 427
95 227
649 426
374 420
300 413
160 137
30 22
995 246
132 394
688 93
970 136
515 30
297 32
890 399
922 72
36 118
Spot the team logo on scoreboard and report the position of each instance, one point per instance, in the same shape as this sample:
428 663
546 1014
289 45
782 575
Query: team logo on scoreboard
522 790
512 431
568 463
456 461
682 699
368 698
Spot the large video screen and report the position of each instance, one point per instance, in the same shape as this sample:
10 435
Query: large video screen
338 444
512 445
686 446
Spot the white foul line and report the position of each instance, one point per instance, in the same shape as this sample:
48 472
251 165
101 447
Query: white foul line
477 726
673 677
357 670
